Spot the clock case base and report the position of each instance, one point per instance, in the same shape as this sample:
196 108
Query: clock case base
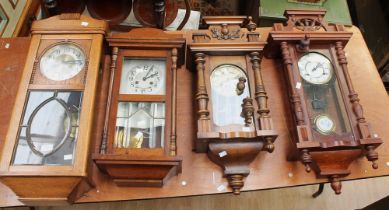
328 159
47 190
130 172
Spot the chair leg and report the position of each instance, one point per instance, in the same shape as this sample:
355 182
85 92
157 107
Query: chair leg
319 191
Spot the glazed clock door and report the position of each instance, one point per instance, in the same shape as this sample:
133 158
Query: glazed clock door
49 127
229 86
141 97
325 107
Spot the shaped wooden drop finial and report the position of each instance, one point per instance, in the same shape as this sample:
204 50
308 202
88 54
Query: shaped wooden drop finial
336 184
236 183
247 111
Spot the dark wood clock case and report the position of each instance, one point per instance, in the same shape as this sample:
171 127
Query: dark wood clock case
226 42
329 155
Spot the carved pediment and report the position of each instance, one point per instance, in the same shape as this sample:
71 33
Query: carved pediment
227 29
306 21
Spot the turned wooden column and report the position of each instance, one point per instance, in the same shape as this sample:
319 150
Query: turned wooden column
201 95
371 154
114 56
357 108
261 97
260 92
173 143
295 98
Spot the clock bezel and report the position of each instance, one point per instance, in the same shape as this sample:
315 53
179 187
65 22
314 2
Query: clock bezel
66 42
332 71
161 85
40 81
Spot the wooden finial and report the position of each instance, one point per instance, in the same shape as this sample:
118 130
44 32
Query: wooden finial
248 111
336 184
269 145
236 183
251 26
306 159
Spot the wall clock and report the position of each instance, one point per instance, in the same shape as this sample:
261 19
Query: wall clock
138 147
49 135
330 131
233 118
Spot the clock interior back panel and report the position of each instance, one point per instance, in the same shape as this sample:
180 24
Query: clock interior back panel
200 176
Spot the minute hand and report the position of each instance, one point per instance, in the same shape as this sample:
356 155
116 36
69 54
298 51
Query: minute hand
145 77
152 75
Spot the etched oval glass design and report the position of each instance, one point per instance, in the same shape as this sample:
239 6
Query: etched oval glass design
48 126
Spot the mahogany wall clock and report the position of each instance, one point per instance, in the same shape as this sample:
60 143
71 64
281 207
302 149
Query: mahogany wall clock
45 156
233 118
330 130
138 147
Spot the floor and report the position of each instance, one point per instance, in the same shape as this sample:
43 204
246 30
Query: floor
356 195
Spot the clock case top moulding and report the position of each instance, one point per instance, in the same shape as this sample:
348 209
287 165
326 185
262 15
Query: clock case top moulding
306 29
143 167
233 150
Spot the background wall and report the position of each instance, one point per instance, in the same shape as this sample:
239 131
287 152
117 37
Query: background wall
10 11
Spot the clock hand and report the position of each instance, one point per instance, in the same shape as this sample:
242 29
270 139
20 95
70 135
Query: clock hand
317 65
152 75
145 77
72 61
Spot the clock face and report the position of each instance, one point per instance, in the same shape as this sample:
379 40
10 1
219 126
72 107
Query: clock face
143 77
324 124
229 86
62 62
315 68
224 79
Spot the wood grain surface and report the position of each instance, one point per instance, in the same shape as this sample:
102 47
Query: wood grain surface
200 176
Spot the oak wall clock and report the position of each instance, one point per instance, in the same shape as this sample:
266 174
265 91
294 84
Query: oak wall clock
138 147
233 118
330 131
45 156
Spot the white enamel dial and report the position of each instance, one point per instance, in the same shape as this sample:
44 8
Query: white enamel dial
224 79
324 124
62 62
143 77
315 68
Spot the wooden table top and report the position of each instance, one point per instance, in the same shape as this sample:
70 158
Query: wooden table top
200 176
